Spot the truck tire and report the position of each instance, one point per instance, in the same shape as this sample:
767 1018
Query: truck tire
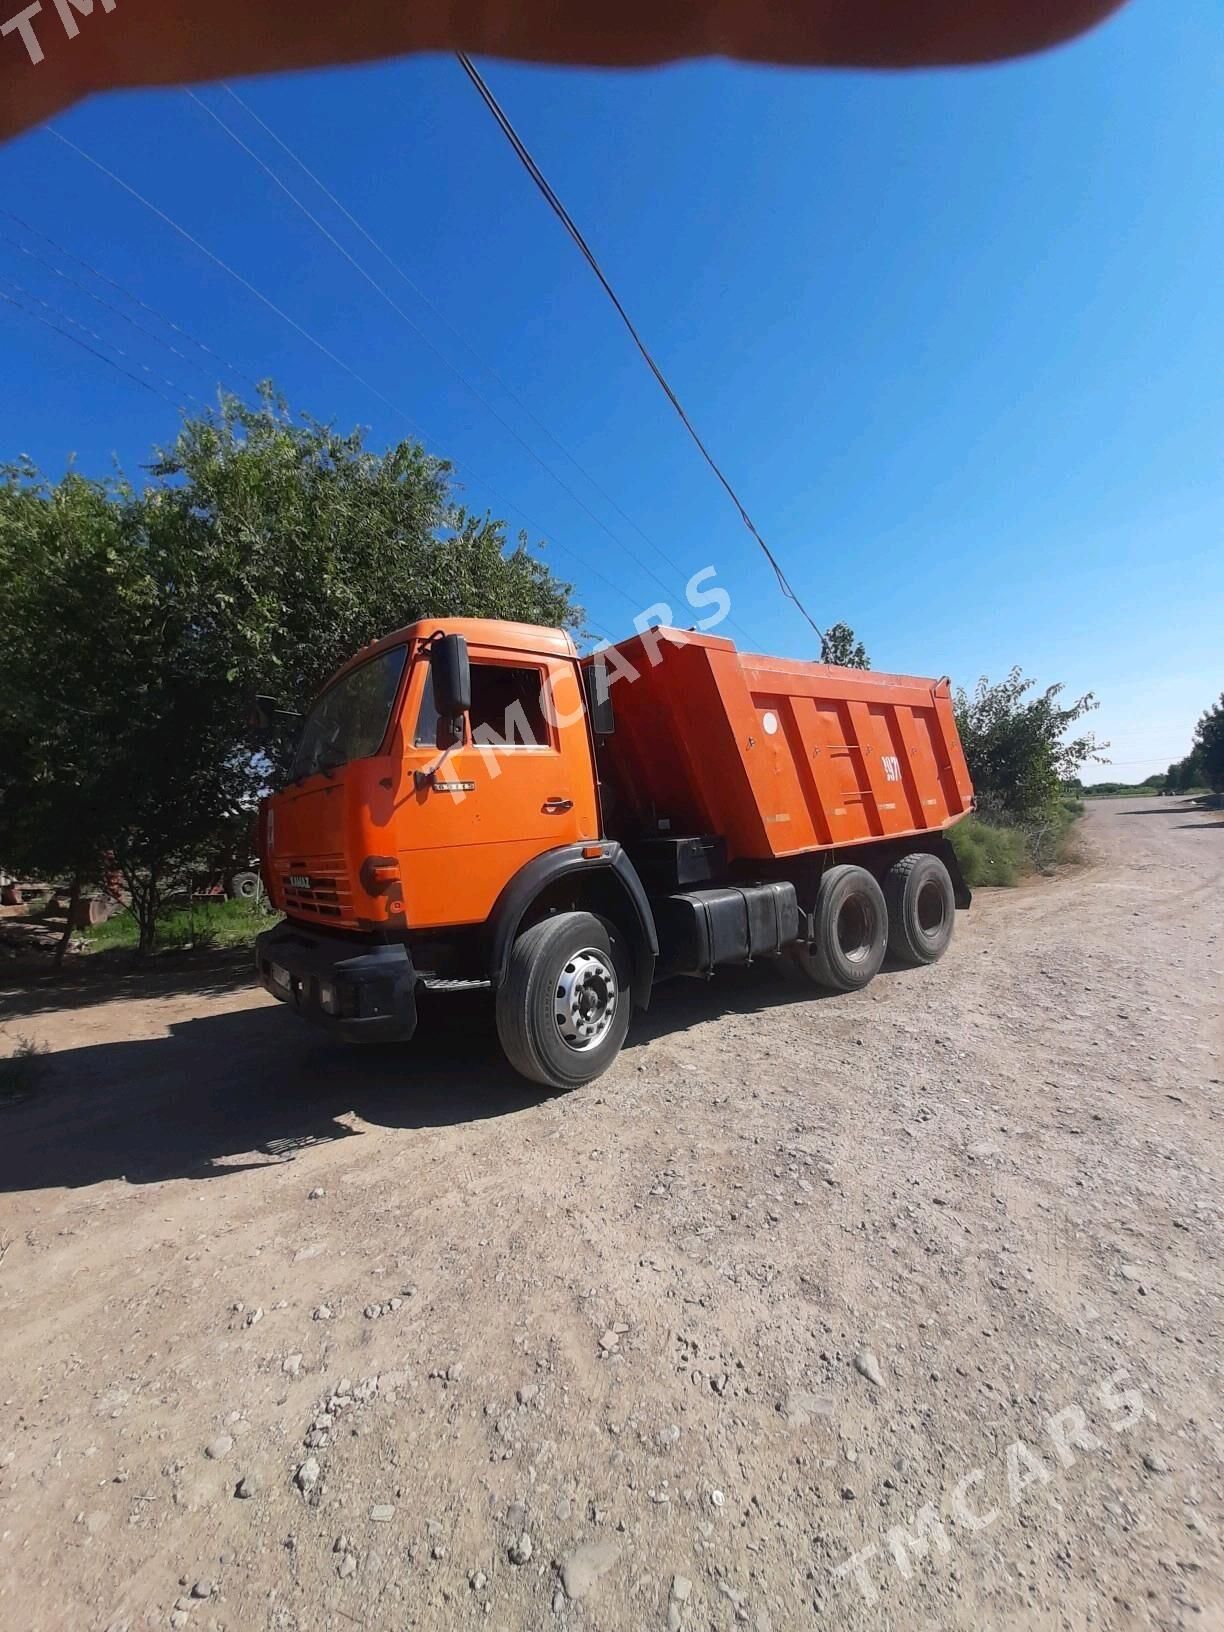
244 886
564 1006
921 909
850 931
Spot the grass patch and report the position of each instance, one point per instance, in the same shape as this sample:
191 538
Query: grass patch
22 1071
999 852
213 924
1137 790
1065 847
988 854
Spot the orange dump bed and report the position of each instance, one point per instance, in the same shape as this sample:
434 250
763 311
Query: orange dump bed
777 756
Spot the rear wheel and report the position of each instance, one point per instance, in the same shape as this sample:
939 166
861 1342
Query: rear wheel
921 909
563 1008
850 931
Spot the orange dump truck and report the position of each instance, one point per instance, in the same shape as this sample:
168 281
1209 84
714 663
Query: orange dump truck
473 802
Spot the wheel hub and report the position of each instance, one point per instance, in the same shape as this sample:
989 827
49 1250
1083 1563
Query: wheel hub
584 1002
930 908
854 929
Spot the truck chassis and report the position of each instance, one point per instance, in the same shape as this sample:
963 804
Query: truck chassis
577 941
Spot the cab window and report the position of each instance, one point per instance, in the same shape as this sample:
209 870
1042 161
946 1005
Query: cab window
508 706
350 719
426 733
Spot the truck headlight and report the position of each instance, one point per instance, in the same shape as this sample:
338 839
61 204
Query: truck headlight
329 997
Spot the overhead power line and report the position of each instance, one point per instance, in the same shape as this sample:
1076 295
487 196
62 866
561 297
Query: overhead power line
85 346
107 305
84 328
563 215
226 268
421 335
320 347
481 361
128 294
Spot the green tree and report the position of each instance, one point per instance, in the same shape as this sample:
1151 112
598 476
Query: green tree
116 729
839 646
1186 773
137 626
60 550
1017 747
1209 746
330 545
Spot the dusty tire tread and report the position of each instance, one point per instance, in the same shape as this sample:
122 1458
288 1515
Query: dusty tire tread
818 961
906 943
516 996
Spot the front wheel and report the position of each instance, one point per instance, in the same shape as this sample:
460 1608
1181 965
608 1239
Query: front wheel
563 1008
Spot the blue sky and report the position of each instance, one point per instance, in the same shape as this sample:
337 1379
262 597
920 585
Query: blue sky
956 337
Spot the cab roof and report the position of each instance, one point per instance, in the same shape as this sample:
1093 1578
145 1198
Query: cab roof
498 634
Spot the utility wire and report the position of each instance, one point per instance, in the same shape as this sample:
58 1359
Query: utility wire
318 345
28 294
128 294
108 305
85 346
29 312
567 222
482 362
421 335
229 270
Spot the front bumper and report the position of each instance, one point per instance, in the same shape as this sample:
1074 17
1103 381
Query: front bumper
365 993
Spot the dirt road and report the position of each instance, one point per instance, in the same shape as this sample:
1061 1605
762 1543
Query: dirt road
388 1340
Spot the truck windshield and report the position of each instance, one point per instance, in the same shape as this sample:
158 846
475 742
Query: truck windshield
350 720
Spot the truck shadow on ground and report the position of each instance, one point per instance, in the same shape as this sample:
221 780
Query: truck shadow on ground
250 1087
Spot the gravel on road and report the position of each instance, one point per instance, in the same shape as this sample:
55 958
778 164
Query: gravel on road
894 1310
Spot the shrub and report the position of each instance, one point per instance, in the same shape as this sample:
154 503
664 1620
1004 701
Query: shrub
988 854
1209 745
1000 852
21 1071
1017 748
1050 841
213 924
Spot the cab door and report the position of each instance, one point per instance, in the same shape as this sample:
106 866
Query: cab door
520 783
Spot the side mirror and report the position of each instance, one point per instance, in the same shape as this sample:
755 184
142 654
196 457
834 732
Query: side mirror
599 697
265 714
261 714
452 676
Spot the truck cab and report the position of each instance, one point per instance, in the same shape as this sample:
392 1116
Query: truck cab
465 807
393 820
417 842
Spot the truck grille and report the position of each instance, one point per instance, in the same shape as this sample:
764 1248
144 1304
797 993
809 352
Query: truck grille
317 888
